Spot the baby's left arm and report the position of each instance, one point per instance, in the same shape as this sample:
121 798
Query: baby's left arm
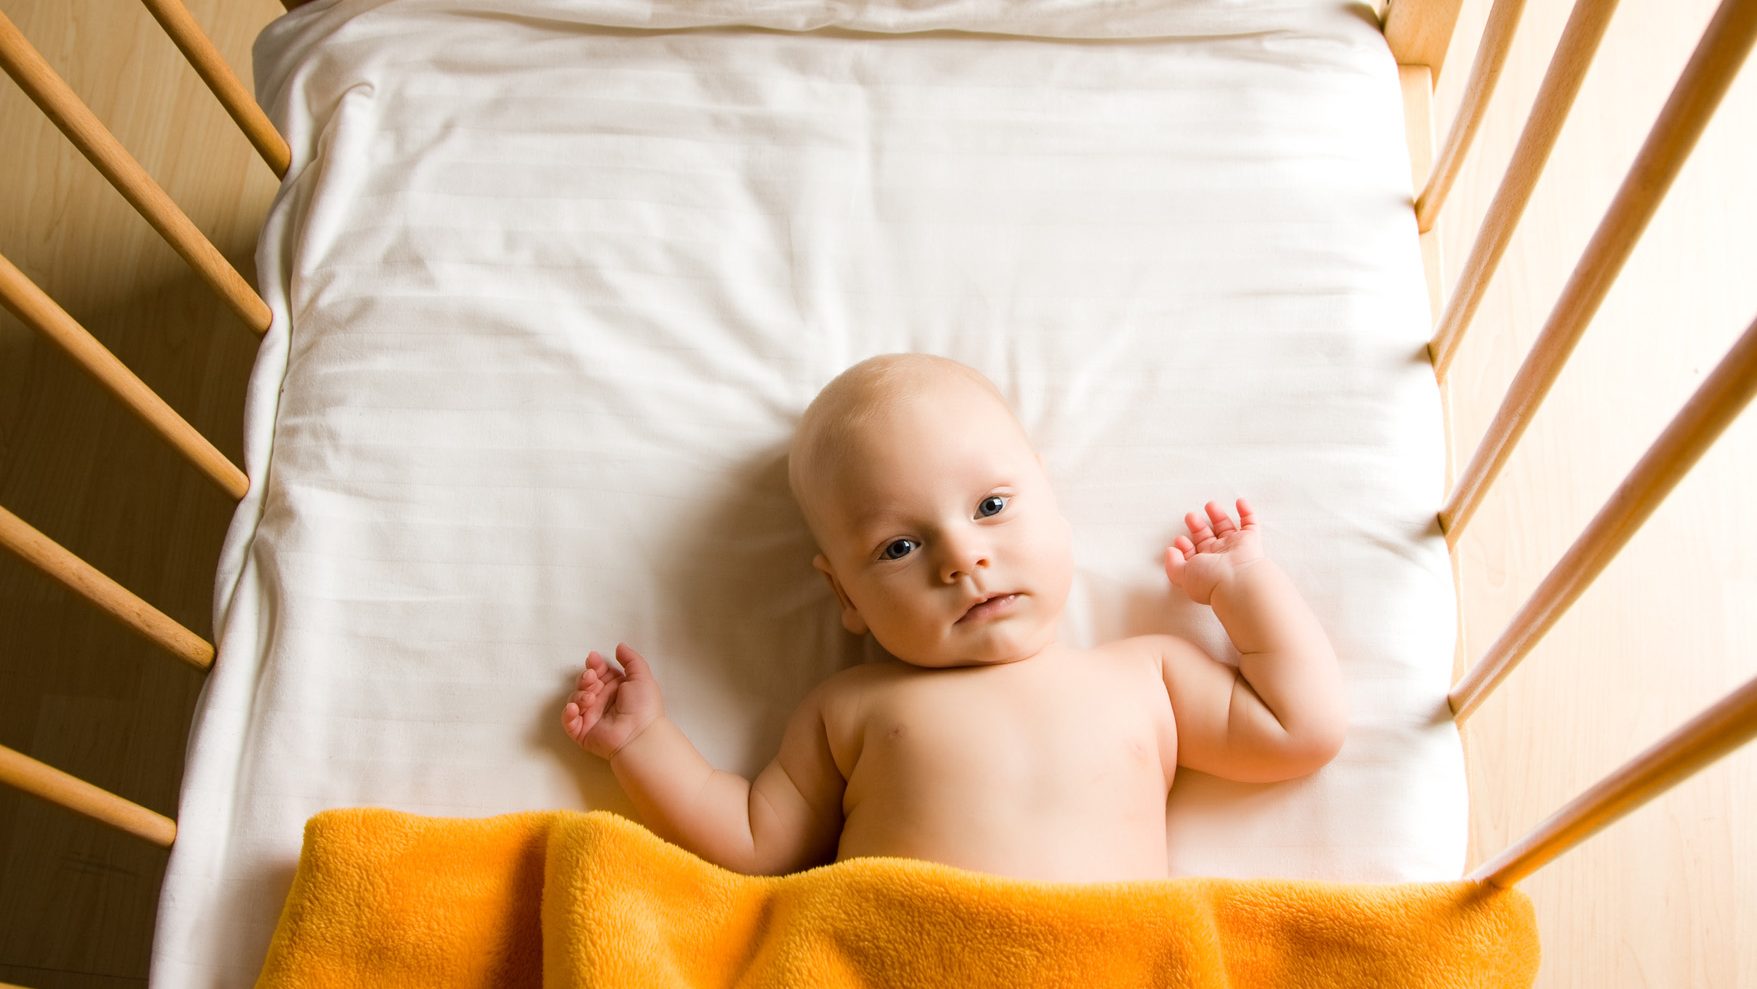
1282 714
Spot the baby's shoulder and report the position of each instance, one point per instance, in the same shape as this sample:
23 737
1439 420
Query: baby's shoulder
844 700
1143 651
1152 649
846 686
849 697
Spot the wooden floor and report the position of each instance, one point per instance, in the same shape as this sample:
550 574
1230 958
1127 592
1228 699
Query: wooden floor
1656 901
77 691
1659 899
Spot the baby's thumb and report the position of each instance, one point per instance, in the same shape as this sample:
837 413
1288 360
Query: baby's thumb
633 663
1174 565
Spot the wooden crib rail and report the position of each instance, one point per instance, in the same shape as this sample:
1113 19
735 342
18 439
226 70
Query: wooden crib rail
34 306
1713 406
1699 89
195 45
1714 63
1723 727
1418 31
95 586
19 294
56 99
1555 96
48 783
1491 55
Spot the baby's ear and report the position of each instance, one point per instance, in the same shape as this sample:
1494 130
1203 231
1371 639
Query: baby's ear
851 619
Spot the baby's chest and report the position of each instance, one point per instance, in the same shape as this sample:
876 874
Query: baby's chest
1056 740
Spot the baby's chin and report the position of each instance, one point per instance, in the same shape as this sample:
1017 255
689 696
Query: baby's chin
993 651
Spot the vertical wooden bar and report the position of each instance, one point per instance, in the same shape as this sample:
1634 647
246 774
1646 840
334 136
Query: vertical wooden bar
1713 406
50 92
51 558
45 782
1555 96
1728 724
32 305
199 49
1700 87
1419 31
1418 128
1491 55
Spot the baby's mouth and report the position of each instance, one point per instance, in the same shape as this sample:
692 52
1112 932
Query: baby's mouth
994 604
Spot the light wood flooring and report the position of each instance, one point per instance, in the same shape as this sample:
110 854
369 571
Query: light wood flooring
77 690
1659 900
1668 896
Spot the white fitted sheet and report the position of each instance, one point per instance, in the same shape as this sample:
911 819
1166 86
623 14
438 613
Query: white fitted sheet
552 280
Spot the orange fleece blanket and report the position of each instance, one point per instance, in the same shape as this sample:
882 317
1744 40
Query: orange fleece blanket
570 899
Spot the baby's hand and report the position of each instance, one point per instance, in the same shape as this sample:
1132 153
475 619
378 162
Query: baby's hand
1210 557
608 707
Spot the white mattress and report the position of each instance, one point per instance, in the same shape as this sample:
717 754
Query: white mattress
552 280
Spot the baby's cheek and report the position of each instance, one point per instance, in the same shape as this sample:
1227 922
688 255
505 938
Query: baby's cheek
1055 553
902 629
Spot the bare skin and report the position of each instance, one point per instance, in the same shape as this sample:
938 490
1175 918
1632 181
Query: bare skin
985 743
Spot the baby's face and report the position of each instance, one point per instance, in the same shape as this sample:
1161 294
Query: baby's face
941 503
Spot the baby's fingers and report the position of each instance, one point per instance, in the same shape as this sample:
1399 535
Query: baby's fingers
598 670
1247 519
573 721
1222 522
1177 557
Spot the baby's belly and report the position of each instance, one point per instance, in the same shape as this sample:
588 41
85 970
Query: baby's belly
1061 849
1089 812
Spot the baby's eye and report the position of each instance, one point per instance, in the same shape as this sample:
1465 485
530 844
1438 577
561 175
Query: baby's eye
991 505
898 549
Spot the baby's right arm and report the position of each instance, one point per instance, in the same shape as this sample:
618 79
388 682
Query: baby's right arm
790 818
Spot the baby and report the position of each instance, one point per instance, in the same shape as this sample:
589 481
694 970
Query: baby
981 741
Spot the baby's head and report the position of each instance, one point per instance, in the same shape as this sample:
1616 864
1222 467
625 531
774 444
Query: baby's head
925 496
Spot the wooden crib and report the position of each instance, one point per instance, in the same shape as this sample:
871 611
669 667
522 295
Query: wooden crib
1420 33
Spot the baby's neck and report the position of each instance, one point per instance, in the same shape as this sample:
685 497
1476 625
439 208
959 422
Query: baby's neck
1052 653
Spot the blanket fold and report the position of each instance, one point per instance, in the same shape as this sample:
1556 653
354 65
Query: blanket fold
571 899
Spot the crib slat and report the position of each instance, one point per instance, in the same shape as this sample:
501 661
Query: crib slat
1491 54
56 99
51 558
1555 96
1723 727
199 49
34 306
1713 406
1700 87
44 781
1419 31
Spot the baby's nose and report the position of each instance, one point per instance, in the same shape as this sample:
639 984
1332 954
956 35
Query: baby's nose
962 562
